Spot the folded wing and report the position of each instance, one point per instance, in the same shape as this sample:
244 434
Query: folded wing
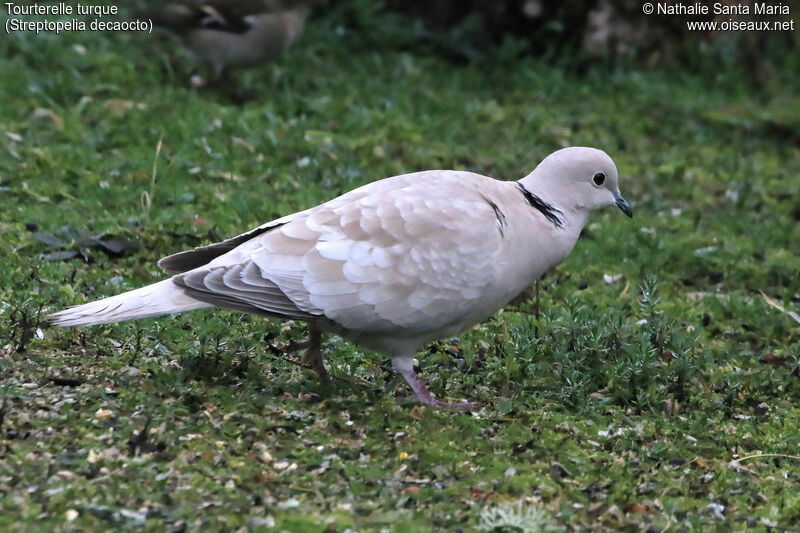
401 256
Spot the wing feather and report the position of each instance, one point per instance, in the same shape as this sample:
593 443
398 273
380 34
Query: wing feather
399 257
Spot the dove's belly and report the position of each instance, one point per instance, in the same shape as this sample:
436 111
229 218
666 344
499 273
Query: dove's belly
510 278
403 339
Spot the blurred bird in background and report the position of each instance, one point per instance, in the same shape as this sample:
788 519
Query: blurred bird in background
233 34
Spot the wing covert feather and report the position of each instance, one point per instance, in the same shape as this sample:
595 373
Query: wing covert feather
401 256
411 257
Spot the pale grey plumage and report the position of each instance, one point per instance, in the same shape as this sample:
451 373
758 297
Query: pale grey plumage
393 264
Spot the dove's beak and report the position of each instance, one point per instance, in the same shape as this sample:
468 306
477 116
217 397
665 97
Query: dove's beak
623 205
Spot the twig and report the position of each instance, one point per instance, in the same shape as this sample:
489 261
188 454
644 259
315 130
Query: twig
147 196
795 457
624 291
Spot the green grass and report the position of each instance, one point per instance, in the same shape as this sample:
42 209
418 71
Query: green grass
619 405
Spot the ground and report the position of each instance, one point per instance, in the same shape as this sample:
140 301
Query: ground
655 383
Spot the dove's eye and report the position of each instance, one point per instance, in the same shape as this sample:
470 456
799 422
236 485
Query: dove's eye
599 178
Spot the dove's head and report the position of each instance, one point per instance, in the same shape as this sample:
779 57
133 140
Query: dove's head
577 179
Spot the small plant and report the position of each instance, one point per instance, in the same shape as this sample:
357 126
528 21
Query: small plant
24 325
146 198
521 517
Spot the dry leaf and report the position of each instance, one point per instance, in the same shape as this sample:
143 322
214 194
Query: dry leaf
227 176
700 295
41 112
117 106
773 360
638 508
667 356
780 308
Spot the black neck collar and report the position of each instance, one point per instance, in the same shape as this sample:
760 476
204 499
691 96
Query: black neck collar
549 212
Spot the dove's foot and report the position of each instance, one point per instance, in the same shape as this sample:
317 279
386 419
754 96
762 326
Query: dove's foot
313 355
405 366
296 346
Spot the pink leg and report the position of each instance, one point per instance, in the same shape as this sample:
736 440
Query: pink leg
405 366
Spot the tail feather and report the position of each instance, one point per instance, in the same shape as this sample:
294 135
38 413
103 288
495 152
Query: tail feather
158 299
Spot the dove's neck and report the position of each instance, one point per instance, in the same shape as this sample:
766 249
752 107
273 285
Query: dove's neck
544 194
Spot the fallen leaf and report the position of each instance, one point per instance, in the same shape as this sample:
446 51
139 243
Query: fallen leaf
60 256
82 242
117 106
229 176
477 494
115 246
49 239
773 360
66 382
241 142
41 112
638 508
692 296
197 220
780 308
596 508
557 470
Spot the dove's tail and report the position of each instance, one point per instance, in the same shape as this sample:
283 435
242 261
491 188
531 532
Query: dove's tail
158 299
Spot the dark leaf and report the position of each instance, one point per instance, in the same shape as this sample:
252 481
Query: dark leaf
69 233
638 508
63 255
67 382
772 360
667 356
49 239
557 471
117 246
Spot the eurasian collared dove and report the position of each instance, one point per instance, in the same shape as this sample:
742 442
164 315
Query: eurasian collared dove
234 33
391 265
